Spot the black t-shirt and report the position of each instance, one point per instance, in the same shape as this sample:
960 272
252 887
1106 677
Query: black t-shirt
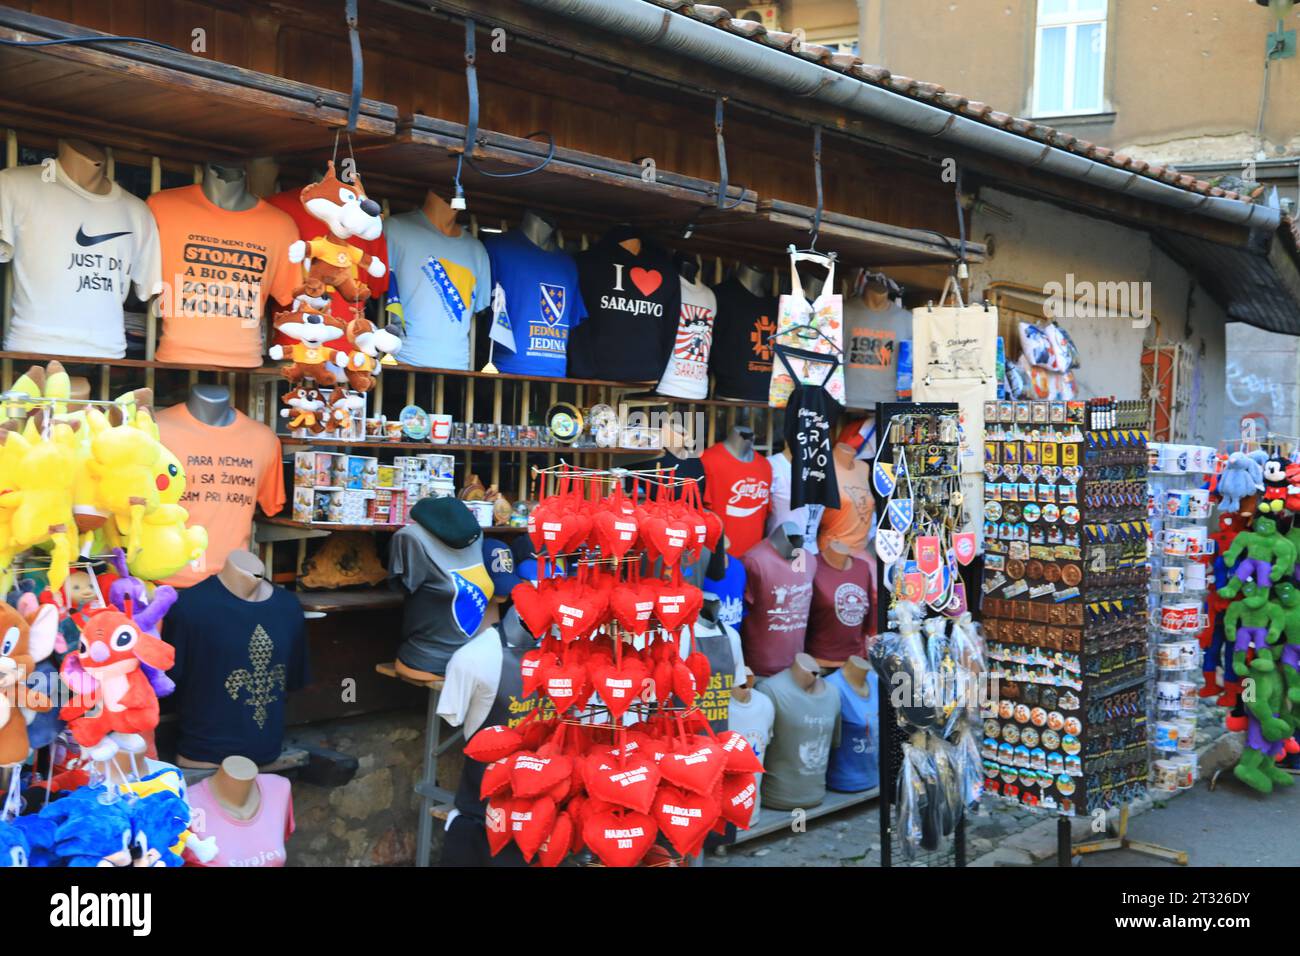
741 360
632 311
810 417
686 468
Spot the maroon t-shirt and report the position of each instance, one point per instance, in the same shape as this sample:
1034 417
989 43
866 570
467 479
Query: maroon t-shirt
837 623
778 595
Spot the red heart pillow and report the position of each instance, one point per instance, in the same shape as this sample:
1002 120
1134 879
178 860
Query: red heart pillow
699 666
684 684
615 533
532 774
530 669
696 766
632 607
563 683
678 605
492 743
619 686
619 838
669 536
496 780
556 845
630 784
497 824
533 607
530 823
578 525
740 755
575 611
685 818
739 796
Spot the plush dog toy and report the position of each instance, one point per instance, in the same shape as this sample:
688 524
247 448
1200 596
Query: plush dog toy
1242 477
20 649
369 349
331 262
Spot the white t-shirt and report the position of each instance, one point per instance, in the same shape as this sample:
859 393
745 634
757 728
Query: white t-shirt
73 255
471 682
687 372
808 517
754 720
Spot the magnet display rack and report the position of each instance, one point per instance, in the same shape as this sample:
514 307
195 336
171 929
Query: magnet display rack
893 735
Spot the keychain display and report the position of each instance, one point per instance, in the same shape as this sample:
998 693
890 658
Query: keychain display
1065 602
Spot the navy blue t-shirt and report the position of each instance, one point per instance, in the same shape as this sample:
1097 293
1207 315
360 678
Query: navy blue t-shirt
730 589
236 662
542 303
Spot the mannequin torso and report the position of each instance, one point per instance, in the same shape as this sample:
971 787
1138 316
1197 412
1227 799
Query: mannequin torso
234 786
755 280
226 187
539 229
440 214
805 672
786 539
837 555
855 671
242 575
85 164
210 404
740 442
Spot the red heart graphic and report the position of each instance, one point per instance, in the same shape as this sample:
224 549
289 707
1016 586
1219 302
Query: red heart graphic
646 280
740 755
497 825
493 743
619 686
632 607
534 609
678 605
530 823
685 818
556 845
739 795
619 838
496 780
631 784
563 684
695 767
532 774
615 533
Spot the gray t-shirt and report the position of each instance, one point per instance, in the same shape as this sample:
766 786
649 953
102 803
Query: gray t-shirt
448 593
807 725
871 343
442 282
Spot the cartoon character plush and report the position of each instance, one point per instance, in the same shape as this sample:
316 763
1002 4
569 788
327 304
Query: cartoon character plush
1267 726
39 476
1242 477
18 658
115 677
167 541
1253 622
169 780
331 262
51 382
305 409
1269 557
124 461
1273 472
15 850
1293 487
369 349
309 356
44 642
345 408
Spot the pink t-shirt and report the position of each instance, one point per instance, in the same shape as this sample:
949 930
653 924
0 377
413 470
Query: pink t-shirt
257 841
778 594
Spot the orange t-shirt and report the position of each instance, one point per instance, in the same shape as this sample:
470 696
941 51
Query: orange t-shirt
229 470
218 268
850 523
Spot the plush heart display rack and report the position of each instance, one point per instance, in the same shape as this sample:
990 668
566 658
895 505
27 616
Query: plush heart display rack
619 754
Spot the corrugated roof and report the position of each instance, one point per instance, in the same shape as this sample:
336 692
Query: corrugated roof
937 96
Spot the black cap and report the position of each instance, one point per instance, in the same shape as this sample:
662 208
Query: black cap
448 520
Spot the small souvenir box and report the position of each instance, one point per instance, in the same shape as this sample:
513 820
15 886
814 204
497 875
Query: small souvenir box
441 467
356 506
304 469
327 507
387 507
389 476
363 473
303 501
331 469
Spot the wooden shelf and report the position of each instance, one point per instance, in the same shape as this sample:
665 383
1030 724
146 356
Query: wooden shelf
131 95
411 446
353 599
304 526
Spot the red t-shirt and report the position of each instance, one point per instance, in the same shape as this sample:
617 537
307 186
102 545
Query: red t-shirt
837 622
778 594
738 492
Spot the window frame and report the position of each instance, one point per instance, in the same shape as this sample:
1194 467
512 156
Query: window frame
1071 20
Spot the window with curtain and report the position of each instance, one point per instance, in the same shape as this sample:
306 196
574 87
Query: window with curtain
1070 57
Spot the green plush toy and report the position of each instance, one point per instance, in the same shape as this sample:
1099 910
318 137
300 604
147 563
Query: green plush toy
1269 557
1254 621
1288 596
1267 725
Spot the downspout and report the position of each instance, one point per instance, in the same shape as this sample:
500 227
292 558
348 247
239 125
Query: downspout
645 22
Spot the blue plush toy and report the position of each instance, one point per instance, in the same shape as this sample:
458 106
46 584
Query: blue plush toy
129 831
1242 477
14 848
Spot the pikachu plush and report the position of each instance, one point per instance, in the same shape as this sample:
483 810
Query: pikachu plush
41 473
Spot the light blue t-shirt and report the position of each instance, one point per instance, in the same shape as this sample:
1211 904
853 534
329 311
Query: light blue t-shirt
855 763
441 281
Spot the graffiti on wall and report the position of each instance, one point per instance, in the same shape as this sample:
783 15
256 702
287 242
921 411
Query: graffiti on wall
1257 397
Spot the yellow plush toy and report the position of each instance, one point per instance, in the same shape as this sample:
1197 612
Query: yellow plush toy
166 544
170 780
40 476
52 381
123 462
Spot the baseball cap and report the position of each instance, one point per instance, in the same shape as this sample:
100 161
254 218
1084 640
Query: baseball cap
527 565
500 564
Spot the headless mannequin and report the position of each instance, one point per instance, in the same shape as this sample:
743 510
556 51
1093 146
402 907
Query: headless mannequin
244 576
86 165
234 786
805 672
812 282
227 187
210 404
787 538
755 280
442 216
740 442
744 692
876 297
855 673
687 267
539 228
837 555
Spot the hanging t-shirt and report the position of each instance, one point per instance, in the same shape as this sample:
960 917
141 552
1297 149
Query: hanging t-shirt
257 841
855 761
730 592
218 269
738 492
871 347
448 594
850 523
809 417
778 595
229 471
807 518
837 622
807 725
633 305
816 326
236 662
309 227
540 301
753 719
75 255
741 360
687 374
443 281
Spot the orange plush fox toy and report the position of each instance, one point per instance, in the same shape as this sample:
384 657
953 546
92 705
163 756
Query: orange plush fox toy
330 261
